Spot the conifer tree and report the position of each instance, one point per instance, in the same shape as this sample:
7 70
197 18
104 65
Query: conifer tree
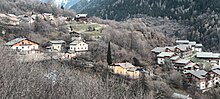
109 56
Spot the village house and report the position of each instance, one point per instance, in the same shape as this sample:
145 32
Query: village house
127 69
191 66
82 18
212 58
198 47
174 58
180 64
192 45
183 50
9 19
164 55
27 19
48 16
57 45
78 46
214 75
75 36
197 77
24 45
69 55
13 19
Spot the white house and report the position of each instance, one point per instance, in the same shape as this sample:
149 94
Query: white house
197 77
57 45
78 46
214 74
164 55
198 47
23 45
192 45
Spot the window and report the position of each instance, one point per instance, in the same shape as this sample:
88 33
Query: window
16 47
71 48
85 48
22 47
81 47
58 46
22 43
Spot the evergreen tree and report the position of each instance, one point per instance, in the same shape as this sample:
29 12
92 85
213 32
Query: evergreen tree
109 55
136 62
62 7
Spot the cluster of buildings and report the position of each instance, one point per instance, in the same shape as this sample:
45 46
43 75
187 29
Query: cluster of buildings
27 46
14 20
179 59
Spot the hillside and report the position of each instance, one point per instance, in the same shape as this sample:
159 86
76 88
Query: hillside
121 9
202 16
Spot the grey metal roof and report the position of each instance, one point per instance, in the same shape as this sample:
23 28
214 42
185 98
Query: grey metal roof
182 41
165 54
199 45
216 67
199 73
182 61
57 41
76 42
216 71
12 42
172 48
192 43
190 65
174 57
182 47
207 55
158 49
180 96
125 65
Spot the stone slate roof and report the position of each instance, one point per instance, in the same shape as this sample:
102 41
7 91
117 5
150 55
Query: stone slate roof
215 67
182 61
125 65
158 49
165 54
216 71
182 41
207 55
174 57
199 73
57 41
76 42
17 40
190 65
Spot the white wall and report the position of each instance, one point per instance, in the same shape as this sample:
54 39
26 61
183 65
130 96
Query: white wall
160 61
202 85
198 49
79 47
26 47
57 47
